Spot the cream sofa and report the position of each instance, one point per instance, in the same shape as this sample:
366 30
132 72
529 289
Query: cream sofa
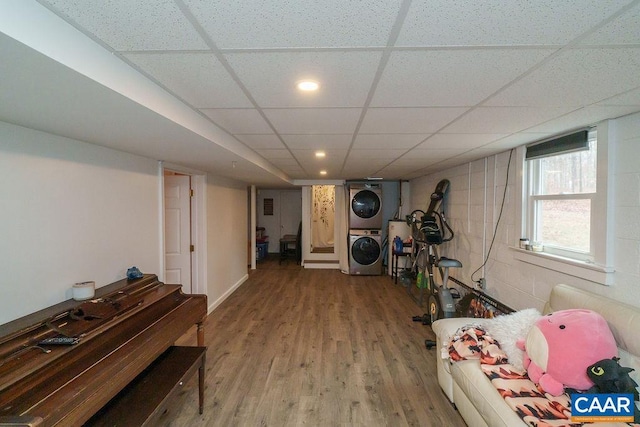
476 398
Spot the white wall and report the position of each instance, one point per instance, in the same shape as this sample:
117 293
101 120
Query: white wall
70 212
474 202
227 238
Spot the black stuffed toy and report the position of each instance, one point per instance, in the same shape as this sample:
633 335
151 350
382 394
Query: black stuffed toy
609 377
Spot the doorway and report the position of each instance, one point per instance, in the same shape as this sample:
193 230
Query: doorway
279 212
322 219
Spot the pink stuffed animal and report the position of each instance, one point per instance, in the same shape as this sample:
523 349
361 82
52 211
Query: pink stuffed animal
560 346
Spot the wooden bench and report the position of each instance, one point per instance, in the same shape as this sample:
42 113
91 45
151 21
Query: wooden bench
147 397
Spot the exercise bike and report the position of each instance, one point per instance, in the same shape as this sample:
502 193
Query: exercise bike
429 230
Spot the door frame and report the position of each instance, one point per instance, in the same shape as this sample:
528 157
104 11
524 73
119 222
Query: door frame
198 225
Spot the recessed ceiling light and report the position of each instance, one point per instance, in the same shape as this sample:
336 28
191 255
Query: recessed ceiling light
308 85
320 154
323 172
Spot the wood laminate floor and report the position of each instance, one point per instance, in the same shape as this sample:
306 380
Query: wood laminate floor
296 347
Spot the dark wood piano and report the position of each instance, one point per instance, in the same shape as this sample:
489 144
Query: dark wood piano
126 327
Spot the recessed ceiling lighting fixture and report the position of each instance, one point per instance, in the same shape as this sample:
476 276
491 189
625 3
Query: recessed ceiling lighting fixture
308 85
323 172
320 154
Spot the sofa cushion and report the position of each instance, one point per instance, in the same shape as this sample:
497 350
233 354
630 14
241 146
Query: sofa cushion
482 394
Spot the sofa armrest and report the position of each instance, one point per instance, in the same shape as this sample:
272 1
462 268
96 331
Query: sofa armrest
444 330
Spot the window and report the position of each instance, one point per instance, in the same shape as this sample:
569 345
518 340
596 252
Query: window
566 203
562 189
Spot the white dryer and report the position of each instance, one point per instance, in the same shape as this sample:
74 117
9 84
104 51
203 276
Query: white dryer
365 252
365 210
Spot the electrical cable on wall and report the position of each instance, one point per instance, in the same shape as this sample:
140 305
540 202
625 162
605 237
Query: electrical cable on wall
495 231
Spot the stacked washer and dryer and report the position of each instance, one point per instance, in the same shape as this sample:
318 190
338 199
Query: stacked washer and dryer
365 226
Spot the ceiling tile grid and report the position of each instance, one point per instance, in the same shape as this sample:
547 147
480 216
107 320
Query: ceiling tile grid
406 86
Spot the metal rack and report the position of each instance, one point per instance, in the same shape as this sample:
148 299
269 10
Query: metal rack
489 306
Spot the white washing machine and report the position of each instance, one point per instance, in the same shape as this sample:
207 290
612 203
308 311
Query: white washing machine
365 210
365 252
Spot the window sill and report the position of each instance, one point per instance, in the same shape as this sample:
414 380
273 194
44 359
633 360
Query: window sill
583 270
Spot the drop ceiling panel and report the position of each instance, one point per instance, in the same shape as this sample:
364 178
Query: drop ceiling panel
408 120
504 119
413 162
459 140
382 141
435 154
238 120
369 164
558 82
198 78
628 98
310 162
250 24
367 154
622 30
392 171
256 141
288 162
334 156
125 25
314 120
295 172
275 154
451 77
507 23
517 139
345 77
361 170
318 142
587 116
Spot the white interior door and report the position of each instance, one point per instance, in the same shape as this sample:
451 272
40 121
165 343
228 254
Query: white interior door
177 221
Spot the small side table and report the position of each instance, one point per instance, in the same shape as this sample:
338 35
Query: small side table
395 268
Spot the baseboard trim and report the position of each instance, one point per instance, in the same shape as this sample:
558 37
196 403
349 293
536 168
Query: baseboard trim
226 295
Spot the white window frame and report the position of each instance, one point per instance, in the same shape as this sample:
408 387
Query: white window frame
597 265
532 168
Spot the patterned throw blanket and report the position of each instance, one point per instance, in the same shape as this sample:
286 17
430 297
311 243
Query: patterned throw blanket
535 407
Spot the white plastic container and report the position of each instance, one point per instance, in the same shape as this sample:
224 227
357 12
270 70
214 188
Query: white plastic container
84 290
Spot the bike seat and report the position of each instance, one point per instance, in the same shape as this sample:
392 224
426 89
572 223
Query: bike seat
449 262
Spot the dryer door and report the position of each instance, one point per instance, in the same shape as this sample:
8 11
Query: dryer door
365 250
365 204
